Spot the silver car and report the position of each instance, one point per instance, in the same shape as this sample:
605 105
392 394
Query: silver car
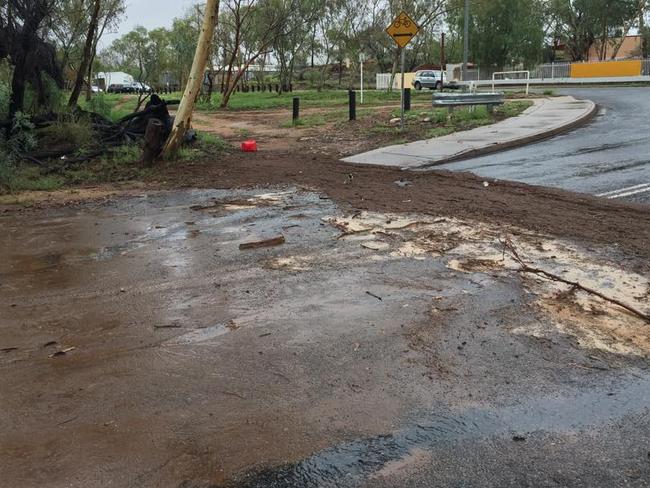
432 79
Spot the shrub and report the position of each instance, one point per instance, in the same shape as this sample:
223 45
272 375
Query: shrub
100 105
5 94
78 134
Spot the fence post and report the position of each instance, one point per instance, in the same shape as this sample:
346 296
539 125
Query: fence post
296 109
352 98
407 99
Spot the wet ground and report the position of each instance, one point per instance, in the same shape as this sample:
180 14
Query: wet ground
139 346
607 157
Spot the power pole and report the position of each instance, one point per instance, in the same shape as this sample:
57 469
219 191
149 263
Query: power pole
642 32
466 41
443 63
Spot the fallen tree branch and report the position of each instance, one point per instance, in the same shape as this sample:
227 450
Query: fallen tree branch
525 268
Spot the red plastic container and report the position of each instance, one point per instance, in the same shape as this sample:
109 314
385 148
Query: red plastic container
249 146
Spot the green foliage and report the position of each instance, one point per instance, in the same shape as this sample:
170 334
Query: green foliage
212 142
512 108
473 115
582 24
31 179
76 133
21 140
128 153
100 105
439 132
5 94
308 98
502 32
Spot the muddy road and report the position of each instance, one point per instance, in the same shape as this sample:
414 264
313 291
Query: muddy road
139 346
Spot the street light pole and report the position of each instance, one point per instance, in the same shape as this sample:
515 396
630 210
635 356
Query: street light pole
466 41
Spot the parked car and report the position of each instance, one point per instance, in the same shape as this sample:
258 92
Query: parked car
96 89
432 79
139 87
119 88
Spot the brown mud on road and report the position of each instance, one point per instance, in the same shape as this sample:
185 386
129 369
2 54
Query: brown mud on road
139 346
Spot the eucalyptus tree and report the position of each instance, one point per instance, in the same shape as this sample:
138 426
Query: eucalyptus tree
603 24
502 33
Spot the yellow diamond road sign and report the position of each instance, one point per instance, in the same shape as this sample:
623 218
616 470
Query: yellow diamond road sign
403 29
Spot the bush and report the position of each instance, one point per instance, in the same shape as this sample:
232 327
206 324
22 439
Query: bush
22 140
5 94
78 134
100 105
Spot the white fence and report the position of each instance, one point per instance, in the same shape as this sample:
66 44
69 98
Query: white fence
552 70
512 75
383 81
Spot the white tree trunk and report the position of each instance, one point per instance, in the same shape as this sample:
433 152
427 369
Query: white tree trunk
193 88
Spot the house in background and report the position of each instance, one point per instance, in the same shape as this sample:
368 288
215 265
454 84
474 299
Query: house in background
631 47
104 80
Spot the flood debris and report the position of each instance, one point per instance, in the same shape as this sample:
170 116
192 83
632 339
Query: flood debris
403 183
374 296
235 394
167 326
232 326
376 246
475 247
62 352
273 241
509 246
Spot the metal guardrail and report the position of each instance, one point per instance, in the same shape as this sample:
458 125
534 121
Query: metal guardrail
451 100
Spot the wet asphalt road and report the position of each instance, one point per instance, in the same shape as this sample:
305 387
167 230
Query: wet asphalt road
608 157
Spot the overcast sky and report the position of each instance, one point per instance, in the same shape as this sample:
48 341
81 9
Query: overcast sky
150 14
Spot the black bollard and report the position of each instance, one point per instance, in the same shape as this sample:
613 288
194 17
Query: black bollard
407 99
352 95
296 109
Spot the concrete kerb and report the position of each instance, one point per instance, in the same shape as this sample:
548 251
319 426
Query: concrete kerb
504 146
433 155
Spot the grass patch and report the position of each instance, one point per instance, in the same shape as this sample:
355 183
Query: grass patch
432 123
513 108
315 120
212 141
439 132
31 179
308 98
113 106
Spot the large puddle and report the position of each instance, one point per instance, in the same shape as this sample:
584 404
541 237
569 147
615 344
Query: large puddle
352 463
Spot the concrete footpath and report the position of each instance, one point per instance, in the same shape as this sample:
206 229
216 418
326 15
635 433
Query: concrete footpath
546 118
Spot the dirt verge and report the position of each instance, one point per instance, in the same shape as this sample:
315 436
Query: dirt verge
463 195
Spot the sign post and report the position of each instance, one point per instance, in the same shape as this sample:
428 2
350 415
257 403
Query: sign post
402 30
362 58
